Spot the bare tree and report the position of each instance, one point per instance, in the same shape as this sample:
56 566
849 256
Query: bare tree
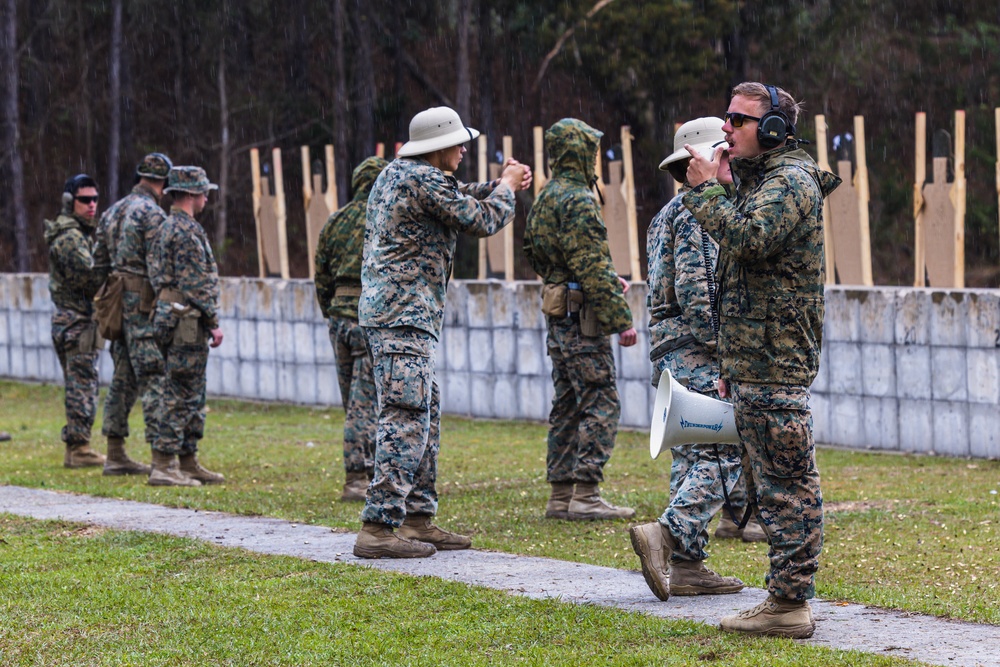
12 133
340 109
114 75
222 218
365 80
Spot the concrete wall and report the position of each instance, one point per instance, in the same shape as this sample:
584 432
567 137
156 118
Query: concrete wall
903 369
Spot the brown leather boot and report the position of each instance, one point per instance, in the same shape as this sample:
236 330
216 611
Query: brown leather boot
727 528
82 456
419 527
774 617
558 505
166 473
654 544
689 577
355 487
194 470
118 462
377 540
587 505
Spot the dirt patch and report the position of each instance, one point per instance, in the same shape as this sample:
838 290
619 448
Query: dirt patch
859 506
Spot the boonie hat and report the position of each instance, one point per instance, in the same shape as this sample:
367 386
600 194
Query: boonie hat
434 129
189 179
703 134
154 165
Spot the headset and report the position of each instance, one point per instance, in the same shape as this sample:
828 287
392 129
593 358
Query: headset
774 126
74 184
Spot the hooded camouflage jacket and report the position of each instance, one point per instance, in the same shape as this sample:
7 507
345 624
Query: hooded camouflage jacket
341 244
415 213
565 239
127 231
682 257
182 260
770 264
73 278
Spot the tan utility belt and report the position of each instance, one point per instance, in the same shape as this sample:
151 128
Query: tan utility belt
347 290
172 296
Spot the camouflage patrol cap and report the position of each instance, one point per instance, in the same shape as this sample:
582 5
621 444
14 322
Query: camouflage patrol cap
154 165
192 180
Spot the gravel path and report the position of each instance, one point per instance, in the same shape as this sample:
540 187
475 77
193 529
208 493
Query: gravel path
842 626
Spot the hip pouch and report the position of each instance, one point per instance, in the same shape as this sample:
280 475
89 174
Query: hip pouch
189 330
589 324
554 300
108 308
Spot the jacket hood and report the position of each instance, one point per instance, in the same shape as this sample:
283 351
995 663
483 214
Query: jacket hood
364 176
788 155
63 223
572 147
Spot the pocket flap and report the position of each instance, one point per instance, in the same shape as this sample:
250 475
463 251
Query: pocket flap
411 348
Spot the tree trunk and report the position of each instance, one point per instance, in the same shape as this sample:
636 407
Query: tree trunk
12 132
340 110
463 88
486 81
365 80
221 219
115 81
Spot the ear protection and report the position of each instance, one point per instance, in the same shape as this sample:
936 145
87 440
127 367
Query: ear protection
774 126
75 183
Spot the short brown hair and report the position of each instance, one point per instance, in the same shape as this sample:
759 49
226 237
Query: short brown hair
758 91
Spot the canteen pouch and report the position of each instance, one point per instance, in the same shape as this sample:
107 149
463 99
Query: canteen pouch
574 302
90 339
108 308
554 300
589 324
189 330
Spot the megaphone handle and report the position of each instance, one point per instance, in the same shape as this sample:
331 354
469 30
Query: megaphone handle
741 523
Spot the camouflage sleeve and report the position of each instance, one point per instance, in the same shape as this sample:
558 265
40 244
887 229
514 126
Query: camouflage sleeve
102 253
442 198
195 274
760 227
160 262
326 263
691 277
152 222
477 190
659 275
77 262
589 259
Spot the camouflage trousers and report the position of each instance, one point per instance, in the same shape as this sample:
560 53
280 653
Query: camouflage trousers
73 336
775 426
357 391
583 421
181 413
138 374
697 473
408 437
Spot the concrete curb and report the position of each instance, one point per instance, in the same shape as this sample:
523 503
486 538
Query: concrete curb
839 626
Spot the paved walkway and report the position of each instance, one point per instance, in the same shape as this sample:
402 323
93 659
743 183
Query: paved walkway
850 626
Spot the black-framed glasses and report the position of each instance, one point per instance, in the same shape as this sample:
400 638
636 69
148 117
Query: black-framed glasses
86 199
737 119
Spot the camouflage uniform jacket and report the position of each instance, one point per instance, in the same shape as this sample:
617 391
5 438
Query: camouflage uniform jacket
182 260
127 231
565 239
681 258
341 244
770 264
73 279
415 213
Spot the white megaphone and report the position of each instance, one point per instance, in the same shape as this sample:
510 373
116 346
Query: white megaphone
685 417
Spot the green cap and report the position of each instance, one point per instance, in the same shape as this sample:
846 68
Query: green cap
189 179
154 165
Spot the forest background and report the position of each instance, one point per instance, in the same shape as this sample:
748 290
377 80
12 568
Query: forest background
92 85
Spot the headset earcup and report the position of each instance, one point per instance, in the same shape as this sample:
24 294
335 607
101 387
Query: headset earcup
772 129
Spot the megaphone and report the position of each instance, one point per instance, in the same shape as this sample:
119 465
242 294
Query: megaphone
685 417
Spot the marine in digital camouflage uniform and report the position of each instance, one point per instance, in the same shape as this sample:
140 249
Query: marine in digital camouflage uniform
415 213
566 241
185 277
73 282
771 307
124 244
338 288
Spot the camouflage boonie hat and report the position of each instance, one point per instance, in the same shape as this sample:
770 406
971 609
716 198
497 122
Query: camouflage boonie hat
189 179
154 165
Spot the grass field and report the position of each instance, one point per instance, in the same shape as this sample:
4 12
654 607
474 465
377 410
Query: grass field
907 532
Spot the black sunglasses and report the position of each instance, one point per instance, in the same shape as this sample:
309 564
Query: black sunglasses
86 199
737 119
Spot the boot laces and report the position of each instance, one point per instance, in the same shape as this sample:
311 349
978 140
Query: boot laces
766 605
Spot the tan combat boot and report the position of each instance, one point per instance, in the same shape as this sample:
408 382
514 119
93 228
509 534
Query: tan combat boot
355 487
691 577
654 544
166 473
774 617
194 470
753 532
418 527
558 505
82 456
118 462
587 505
377 540
727 528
